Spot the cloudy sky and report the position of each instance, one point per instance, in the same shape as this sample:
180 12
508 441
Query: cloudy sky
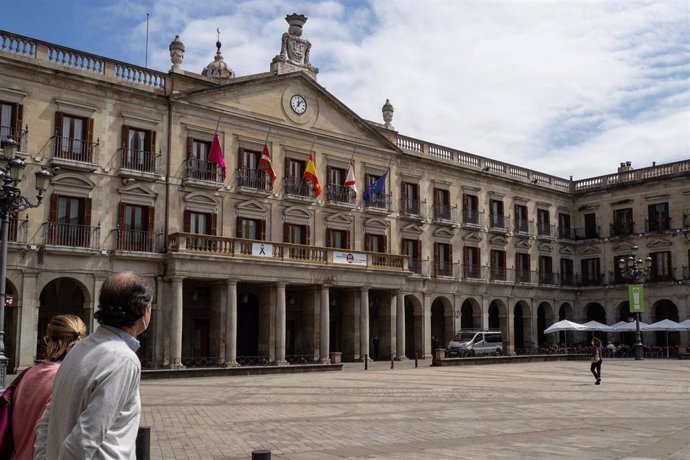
565 87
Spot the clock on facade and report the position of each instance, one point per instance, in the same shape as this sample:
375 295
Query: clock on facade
298 104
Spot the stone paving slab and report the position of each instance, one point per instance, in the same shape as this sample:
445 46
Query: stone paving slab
542 410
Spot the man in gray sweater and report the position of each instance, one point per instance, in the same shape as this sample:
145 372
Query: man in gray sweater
95 406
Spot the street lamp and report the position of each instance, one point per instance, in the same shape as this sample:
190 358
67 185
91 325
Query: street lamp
634 269
11 202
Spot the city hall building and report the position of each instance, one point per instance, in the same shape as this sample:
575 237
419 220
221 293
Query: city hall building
325 236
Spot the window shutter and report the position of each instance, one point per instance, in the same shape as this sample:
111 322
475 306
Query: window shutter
404 191
449 255
151 211
214 224
262 230
238 229
367 241
151 138
17 113
187 221
286 229
347 239
329 238
190 147
125 137
385 244
436 255
87 212
121 216
89 130
54 208
240 158
465 256
58 124
307 234
419 250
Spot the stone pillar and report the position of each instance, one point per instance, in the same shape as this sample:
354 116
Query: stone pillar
400 325
176 318
324 326
25 348
485 313
426 315
510 328
393 336
364 322
231 323
280 324
159 322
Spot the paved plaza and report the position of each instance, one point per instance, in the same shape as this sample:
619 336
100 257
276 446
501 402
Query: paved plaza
544 410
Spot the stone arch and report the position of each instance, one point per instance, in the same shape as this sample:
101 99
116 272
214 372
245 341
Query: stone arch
522 326
498 319
595 312
470 314
12 335
414 326
565 311
442 320
60 296
665 309
545 318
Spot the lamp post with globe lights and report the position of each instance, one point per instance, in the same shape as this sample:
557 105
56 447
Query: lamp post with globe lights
11 202
635 270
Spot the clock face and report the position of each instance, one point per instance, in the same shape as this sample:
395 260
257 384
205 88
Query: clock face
298 104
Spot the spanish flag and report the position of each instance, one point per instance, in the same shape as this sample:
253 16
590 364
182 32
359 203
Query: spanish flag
310 174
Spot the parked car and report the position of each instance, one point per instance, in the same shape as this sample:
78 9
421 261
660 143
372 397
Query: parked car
476 343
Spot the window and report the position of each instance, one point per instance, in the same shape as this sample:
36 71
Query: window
374 243
564 228
410 198
135 226
251 229
521 222
294 182
658 217
661 266
567 278
622 222
296 234
10 120
498 265
441 204
470 209
413 250
339 239
543 222
248 174
471 262
443 259
200 223
522 265
546 270
73 139
497 216
336 191
591 229
138 147
70 218
591 275
377 200
198 165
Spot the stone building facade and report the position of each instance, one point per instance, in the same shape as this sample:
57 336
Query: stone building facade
251 270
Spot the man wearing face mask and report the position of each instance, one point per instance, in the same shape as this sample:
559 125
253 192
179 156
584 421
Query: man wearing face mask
95 407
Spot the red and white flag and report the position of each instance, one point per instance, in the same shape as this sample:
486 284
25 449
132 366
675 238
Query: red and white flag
265 164
350 179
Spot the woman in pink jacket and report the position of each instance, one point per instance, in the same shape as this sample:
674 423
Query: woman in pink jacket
35 389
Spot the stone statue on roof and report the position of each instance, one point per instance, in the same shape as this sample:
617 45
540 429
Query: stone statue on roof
294 50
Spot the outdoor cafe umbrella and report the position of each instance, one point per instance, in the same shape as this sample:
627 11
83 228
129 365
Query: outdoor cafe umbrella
666 325
597 326
685 323
565 326
628 326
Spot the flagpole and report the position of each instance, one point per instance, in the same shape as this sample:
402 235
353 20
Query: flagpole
217 125
267 134
353 154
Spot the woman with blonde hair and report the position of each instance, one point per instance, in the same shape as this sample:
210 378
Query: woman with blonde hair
34 391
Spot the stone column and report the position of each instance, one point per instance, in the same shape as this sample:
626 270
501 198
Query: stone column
176 318
426 352
393 324
280 324
364 322
25 348
231 323
510 328
324 327
485 313
400 326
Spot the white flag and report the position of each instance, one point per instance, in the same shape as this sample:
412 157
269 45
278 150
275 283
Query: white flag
350 179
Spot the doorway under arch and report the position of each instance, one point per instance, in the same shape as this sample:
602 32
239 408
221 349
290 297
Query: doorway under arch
62 296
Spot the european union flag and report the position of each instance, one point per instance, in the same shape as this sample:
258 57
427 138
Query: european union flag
378 187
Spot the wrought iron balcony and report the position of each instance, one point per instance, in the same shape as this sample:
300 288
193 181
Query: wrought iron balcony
298 186
78 236
203 170
380 201
253 179
67 148
498 222
340 194
139 241
470 217
661 224
138 160
443 212
411 208
588 233
443 268
622 228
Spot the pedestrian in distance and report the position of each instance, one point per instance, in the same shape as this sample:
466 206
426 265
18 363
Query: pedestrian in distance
596 360
95 408
34 391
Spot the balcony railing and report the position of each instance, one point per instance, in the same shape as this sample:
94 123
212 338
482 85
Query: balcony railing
139 241
67 148
500 274
660 277
443 212
339 194
443 268
253 179
686 273
236 247
203 170
498 221
566 233
526 276
661 224
568 279
622 228
521 226
298 186
546 230
588 233
410 207
591 279
549 278
470 217
138 160
472 271
414 265
78 236
379 201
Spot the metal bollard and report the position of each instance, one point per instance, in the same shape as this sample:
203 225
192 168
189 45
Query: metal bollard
415 359
392 362
366 362
143 443
261 454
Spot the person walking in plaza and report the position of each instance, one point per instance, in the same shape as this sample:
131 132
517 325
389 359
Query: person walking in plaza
95 408
33 392
596 360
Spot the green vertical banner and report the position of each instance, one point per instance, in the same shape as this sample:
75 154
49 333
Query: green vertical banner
636 298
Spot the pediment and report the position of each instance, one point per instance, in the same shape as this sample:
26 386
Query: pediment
623 248
268 97
443 233
338 220
523 244
376 225
251 209
545 247
473 236
139 190
659 243
498 240
72 185
566 250
590 250
412 229
297 215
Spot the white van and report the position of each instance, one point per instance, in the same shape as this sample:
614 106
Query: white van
476 343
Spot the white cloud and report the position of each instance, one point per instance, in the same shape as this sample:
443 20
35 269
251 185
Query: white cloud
568 87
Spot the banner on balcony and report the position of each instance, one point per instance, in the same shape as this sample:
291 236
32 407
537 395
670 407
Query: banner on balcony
349 258
262 250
